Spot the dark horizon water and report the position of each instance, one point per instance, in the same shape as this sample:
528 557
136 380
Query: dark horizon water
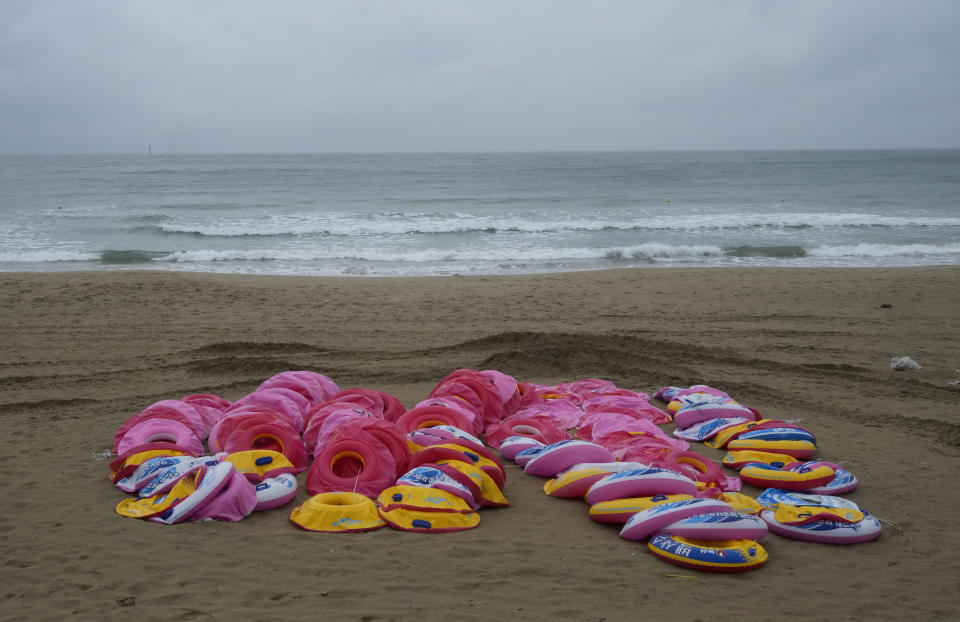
478 213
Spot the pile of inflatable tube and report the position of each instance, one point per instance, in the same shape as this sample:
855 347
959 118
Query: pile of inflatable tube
687 509
370 462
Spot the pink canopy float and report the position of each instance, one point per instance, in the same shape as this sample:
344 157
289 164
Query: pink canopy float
617 432
637 406
167 410
710 476
256 426
538 395
316 388
508 389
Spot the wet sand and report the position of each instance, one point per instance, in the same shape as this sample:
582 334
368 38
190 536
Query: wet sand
81 352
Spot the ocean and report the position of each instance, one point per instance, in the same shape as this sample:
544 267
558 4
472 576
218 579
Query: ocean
478 213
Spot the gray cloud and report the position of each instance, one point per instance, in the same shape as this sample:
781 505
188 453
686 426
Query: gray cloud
423 76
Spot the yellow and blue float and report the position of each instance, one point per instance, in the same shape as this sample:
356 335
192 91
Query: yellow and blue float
793 476
834 530
710 556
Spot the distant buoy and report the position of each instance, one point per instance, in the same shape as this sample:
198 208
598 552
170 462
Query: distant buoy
59 207
668 200
781 200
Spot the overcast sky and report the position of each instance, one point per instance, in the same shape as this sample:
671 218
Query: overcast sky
446 75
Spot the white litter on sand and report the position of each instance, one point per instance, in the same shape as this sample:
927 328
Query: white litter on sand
903 363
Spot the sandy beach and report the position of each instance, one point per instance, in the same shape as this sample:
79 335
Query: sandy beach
81 352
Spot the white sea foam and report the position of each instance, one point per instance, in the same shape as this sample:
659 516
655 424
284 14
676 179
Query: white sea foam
885 250
419 223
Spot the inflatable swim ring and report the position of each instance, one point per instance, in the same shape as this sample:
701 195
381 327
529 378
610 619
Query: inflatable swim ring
739 459
422 499
723 556
795 448
829 531
558 457
772 498
643 482
512 445
620 510
719 526
646 522
260 464
575 481
704 430
273 492
843 482
337 512
694 414
794 476
429 522
430 476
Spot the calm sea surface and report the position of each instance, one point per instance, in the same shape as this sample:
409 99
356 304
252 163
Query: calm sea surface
479 213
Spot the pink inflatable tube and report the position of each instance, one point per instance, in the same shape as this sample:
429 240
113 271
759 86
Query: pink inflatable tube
170 410
324 430
376 402
315 387
647 522
430 416
350 465
269 435
245 416
279 401
156 429
540 428
563 455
